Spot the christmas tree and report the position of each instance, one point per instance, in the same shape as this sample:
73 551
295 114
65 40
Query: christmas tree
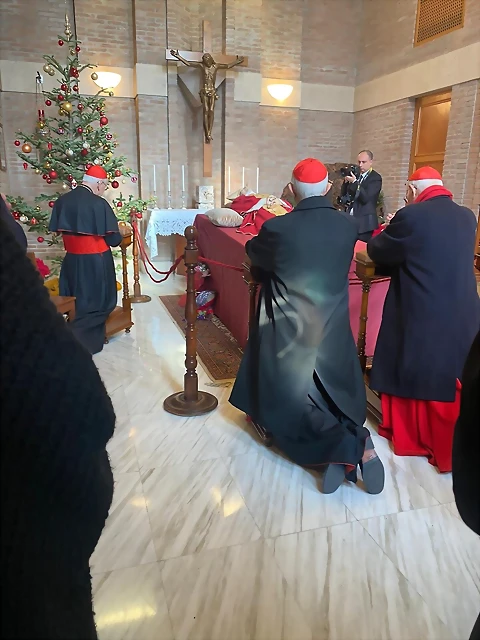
73 135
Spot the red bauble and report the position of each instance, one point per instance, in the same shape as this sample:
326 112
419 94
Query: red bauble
70 178
75 87
45 176
25 165
16 215
99 108
61 131
115 184
77 49
53 174
80 106
63 87
79 130
73 72
60 43
40 239
133 211
118 173
49 181
51 203
60 97
139 215
119 205
33 221
134 178
17 143
103 121
48 103
84 152
50 146
109 136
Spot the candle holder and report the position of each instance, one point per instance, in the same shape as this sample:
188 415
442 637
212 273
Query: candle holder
184 200
169 200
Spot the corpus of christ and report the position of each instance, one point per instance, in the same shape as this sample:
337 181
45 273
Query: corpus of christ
240 319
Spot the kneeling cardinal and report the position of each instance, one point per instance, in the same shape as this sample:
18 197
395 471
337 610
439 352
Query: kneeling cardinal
430 318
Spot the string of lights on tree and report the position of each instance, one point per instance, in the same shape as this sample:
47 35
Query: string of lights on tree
69 137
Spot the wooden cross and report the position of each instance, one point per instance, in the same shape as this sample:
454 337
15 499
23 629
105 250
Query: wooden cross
220 59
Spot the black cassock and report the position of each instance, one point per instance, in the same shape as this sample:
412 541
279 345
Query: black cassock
432 309
89 227
300 377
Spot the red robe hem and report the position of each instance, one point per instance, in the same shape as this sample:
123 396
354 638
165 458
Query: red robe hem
421 427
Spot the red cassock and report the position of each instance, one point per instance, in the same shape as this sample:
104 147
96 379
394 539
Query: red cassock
421 427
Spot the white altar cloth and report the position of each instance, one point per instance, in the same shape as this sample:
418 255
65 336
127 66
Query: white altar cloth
167 222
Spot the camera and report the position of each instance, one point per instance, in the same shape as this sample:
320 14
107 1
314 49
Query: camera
351 168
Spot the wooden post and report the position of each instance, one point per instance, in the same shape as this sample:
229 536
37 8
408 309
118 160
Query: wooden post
137 291
365 271
190 401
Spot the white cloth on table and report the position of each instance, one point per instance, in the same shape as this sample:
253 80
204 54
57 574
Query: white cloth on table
167 222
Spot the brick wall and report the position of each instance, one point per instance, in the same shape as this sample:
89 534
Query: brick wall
461 164
387 131
388 30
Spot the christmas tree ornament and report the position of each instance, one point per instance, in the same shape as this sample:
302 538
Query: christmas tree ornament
72 52
84 152
67 106
73 72
89 129
134 178
111 94
80 106
47 165
145 207
45 176
33 221
53 174
26 148
16 215
68 29
62 113
60 43
109 136
139 215
94 76
37 209
25 165
51 72
48 181
60 131
96 161
74 184
124 181
38 172
133 211
103 121
79 130
115 184
118 173
119 205
23 219
77 49
49 146
63 87
46 67
75 87
70 178
88 166
60 97
17 143
69 153
48 103
86 145
51 203
40 239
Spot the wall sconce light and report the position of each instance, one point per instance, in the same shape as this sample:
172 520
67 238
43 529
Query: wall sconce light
106 79
280 91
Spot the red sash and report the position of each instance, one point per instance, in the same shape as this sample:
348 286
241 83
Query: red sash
84 244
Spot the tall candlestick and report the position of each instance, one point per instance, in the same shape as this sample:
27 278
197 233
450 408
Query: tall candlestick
229 183
183 177
154 180
168 178
258 179
243 177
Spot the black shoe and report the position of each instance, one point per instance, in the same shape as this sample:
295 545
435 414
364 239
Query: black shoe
373 473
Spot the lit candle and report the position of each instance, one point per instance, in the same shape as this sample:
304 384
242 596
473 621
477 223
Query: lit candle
229 183
258 179
154 180
168 178
183 178
243 177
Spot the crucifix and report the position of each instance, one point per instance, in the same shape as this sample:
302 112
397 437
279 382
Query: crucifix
209 65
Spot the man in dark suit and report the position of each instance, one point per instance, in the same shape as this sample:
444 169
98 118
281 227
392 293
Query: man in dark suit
365 191
430 318
300 377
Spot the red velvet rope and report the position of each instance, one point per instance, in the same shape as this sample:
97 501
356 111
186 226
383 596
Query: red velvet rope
219 264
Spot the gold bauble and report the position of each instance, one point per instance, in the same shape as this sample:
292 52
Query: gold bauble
110 93
47 68
89 129
40 124
47 165
37 171
51 72
123 181
94 76
61 112
26 148
37 209
67 106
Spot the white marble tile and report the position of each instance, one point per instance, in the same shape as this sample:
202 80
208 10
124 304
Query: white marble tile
163 440
348 588
236 593
126 540
439 485
130 604
452 507
230 431
196 506
121 450
401 493
440 557
282 497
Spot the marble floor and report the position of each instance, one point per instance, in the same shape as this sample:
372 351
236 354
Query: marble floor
211 536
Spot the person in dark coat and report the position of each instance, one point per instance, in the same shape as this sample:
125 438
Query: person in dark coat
365 191
12 224
430 317
56 480
300 378
466 449
89 228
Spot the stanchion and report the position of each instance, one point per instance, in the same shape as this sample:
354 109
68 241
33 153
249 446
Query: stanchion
138 296
190 401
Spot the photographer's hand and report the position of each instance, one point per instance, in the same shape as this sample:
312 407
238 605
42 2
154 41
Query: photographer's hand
351 178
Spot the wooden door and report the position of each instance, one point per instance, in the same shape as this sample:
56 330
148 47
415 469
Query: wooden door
430 128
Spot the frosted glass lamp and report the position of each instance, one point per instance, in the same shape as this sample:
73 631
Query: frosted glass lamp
280 91
107 79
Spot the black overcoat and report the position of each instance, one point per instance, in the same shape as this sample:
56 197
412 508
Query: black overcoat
304 259
432 310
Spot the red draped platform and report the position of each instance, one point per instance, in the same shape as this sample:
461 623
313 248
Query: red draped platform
231 304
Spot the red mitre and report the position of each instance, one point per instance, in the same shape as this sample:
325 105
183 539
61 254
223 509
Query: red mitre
96 172
425 173
310 171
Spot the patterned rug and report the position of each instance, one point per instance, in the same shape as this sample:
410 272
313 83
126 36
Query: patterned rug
217 349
